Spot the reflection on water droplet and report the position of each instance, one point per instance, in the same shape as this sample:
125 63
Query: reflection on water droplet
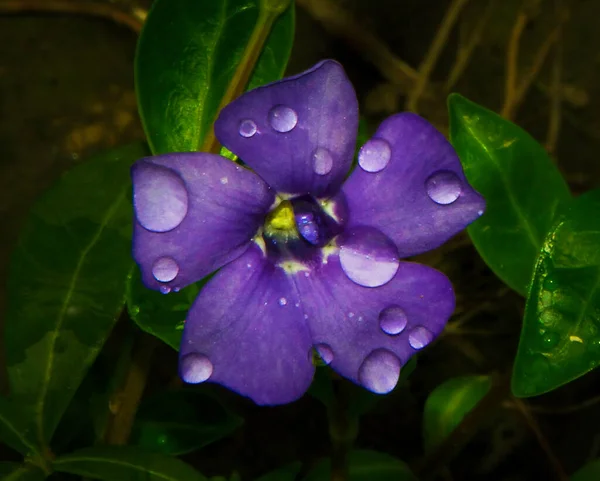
322 161
195 368
247 128
392 320
351 315
379 372
324 352
160 199
443 187
165 269
419 337
164 289
375 155
550 339
550 284
224 180
282 118
282 301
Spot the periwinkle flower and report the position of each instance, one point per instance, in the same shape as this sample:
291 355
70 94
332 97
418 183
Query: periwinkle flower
307 262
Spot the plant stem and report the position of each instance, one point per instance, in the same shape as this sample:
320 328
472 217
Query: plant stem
342 431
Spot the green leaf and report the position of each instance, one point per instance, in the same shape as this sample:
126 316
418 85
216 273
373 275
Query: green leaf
449 403
521 186
187 56
560 339
20 472
589 472
66 285
177 422
366 466
14 429
125 463
286 473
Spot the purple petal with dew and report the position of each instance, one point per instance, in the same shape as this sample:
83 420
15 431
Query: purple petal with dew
299 133
410 185
247 332
194 212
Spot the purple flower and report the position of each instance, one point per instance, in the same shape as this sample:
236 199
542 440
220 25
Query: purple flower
308 263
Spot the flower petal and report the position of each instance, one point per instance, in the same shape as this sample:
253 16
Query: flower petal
410 185
299 133
247 332
368 333
194 212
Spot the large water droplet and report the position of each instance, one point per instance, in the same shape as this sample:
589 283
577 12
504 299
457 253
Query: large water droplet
195 368
160 198
165 269
392 320
324 352
247 128
282 118
374 155
380 371
322 161
419 337
443 187
550 339
368 257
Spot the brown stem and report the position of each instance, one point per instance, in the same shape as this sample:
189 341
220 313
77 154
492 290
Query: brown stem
512 68
555 97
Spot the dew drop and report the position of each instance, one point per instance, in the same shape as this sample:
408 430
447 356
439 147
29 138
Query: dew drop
224 180
322 161
443 187
375 155
195 368
247 128
550 284
297 304
165 269
350 315
282 118
282 301
550 339
379 372
160 199
392 320
164 289
324 352
419 337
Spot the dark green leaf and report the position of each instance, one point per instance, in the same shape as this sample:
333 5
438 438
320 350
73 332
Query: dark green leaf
287 473
14 429
560 339
125 463
589 472
366 466
67 284
187 55
177 422
20 472
521 186
449 403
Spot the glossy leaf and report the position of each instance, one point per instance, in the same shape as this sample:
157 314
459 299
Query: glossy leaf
67 284
560 339
286 473
366 466
187 55
521 186
20 472
177 422
125 463
449 403
589 472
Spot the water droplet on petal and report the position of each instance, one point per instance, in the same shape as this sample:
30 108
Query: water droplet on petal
351 315
282 118
368 257
247 128
165 269
324 352
419 337
160 198
195 368
380 371
322 161
443 187
374 155
164 289
224 180
392 320
282 301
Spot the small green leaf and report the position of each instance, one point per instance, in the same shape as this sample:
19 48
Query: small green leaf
521 186
366 466
66 285
14 431
286 473
589 472
177 422
187 55
125 463
20 472
449 403
560 339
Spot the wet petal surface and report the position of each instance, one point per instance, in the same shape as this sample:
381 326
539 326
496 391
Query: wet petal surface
194 212
410 185
299 133
247 332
